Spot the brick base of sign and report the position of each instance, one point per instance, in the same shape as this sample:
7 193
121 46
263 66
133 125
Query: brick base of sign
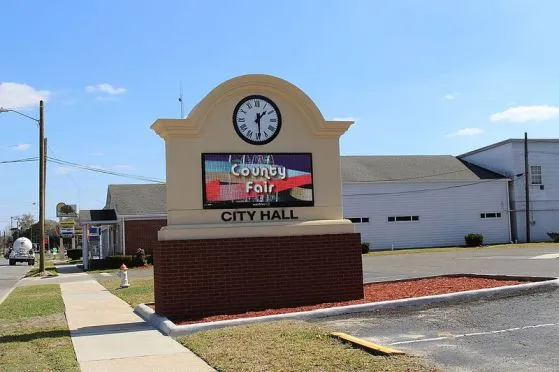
226 276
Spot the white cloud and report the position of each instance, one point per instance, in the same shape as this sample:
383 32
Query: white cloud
521 114
64 170
104 88
348 118
466 132
21 147
124 167
21 96
450 96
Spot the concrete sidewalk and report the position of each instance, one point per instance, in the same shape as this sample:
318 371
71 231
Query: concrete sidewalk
108 336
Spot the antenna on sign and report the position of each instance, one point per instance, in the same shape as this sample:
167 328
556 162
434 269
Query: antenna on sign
180 100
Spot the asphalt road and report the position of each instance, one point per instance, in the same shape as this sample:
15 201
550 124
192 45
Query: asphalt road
9 275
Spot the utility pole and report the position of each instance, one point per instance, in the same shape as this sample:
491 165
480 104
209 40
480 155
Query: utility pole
527 186
42 177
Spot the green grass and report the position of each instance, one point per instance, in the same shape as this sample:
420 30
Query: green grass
34 335
96 271
455 249
50 269
289 346
139 292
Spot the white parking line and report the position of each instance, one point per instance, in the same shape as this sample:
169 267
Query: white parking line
475 334
546 256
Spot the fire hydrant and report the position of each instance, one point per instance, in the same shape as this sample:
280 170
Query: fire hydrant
123 273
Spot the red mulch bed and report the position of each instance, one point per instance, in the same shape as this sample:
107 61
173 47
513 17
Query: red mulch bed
376 292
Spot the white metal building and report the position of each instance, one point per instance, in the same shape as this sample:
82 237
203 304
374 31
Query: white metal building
420 201
507 158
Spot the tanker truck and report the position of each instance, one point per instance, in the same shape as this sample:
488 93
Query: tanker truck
22 251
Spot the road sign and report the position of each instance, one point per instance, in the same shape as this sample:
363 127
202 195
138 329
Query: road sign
67 224
66 210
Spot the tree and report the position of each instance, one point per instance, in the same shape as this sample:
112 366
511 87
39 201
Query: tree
51 229
26 221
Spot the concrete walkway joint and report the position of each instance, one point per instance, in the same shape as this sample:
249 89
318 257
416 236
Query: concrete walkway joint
108 336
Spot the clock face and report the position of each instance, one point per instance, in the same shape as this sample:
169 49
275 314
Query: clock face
257 120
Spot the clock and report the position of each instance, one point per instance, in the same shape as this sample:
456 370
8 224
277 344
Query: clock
257 120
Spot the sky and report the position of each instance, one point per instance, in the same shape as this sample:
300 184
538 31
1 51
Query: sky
417 77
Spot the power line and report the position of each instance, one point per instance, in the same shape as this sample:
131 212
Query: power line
420 190
84 167
417 177
544 152
104 171
19 160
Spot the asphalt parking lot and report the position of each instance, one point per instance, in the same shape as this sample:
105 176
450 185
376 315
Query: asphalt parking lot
518 333
500 261
511 334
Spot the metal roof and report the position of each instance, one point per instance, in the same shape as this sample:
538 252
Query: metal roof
97 216
510 140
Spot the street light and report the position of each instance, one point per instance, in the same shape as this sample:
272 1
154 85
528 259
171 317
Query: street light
42 177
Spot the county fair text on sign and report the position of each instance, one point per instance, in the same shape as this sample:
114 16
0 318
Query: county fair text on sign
257 180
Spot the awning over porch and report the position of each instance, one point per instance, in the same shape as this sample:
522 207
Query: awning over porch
97 217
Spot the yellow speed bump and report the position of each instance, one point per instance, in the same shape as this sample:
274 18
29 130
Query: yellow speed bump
367 344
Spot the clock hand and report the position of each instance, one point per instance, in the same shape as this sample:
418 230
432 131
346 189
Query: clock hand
257 120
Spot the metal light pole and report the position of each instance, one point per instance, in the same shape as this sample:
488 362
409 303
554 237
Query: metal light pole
42 177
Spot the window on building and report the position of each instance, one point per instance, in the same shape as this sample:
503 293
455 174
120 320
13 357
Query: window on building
403 218
491 215
536 174
359 219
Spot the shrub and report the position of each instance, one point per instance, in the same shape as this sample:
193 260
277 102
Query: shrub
140 257
554 236
74 254
474 240
365 247
114 262
149 260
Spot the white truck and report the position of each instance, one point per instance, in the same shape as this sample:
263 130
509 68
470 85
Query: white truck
22 251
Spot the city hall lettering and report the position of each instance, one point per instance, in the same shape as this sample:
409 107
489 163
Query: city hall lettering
244 216
267 172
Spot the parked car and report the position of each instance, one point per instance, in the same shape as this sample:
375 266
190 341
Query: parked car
22 251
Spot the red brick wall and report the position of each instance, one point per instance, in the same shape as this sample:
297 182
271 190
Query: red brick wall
213 276
142 234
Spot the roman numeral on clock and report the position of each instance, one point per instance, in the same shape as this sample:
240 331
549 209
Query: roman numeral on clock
271 128
250 133
243 127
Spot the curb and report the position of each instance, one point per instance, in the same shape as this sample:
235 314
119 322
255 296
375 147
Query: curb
3 298
168 328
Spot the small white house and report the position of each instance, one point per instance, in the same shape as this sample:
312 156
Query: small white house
507 158
422 201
